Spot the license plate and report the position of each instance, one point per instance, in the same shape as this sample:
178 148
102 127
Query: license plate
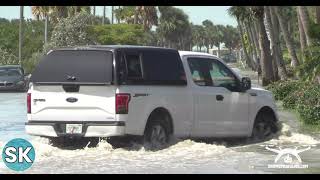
73 128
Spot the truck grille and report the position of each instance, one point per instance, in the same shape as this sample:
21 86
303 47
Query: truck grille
2 84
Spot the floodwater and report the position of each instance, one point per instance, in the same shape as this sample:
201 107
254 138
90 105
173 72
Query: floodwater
185 156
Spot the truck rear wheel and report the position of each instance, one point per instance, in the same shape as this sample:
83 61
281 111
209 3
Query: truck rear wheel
156 135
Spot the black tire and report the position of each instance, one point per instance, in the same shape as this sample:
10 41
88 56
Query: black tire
265 126
156 136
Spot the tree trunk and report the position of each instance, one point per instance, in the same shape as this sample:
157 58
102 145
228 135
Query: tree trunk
303 41
255 30
288 39
104 15
317 14
276 42
219 50
20 34
242 41
305 23
254 48
274 55
274 47
266 64
94 11
136 15
46 29
255 39
251 52
112 14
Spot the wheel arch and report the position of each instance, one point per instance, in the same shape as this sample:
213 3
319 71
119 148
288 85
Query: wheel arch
266 109
161 111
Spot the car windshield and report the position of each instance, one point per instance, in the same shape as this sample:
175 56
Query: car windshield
10 72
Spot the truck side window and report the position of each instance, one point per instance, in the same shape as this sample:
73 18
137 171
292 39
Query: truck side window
199 72
210 72
134 68
222 76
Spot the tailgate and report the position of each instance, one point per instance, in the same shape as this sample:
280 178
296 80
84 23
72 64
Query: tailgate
91 103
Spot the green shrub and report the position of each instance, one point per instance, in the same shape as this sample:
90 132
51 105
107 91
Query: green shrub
72 31
281 89
32 62
302 96
7 58
129 34
308 104
290 71
292 99
309 70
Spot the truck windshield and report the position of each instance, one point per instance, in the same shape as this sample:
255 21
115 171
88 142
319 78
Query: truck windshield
74 66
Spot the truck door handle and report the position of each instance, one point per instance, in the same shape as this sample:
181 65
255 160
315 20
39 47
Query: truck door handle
219 97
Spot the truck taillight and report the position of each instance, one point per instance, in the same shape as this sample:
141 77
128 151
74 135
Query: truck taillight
29 103
122 103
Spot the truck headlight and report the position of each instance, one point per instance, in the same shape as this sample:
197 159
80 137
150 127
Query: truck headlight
20 83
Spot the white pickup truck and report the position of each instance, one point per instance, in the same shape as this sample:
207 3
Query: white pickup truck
104 91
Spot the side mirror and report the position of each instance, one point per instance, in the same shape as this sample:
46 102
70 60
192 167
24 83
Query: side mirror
245 83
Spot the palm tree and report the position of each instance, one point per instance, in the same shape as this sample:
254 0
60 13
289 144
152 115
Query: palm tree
252 50
136 14
237 12
274 40
20 33
218 37
58 12
266 63
209 30
302 35
73 10
304 17
174 26
146 15
287 37
149 16
125 13
41 12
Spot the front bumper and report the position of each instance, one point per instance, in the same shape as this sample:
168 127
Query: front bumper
89 129
12 88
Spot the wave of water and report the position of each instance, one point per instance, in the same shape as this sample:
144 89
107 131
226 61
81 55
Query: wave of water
186 156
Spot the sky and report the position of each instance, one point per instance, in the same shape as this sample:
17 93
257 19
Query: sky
197 14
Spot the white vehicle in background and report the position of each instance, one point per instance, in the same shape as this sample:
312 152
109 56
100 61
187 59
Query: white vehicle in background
155 93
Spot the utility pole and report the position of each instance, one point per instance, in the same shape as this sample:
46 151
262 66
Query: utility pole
20 34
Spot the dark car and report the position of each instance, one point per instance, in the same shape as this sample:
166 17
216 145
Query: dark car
12 78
